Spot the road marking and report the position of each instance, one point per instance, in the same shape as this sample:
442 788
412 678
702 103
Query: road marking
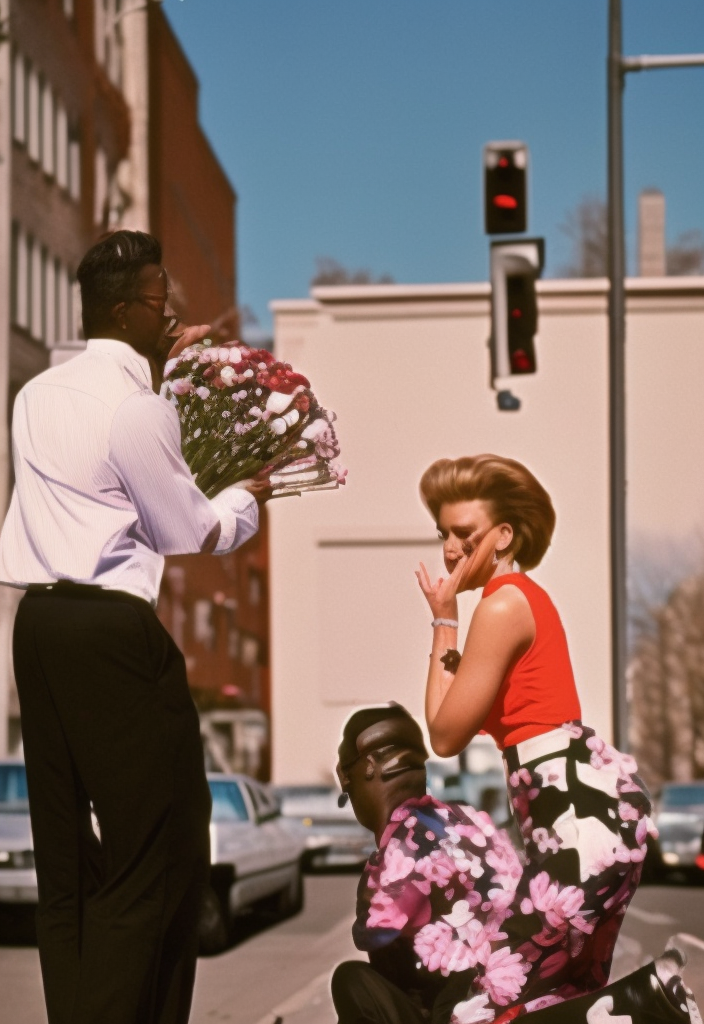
649 916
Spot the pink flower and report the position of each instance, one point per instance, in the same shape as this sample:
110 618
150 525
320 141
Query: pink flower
181 386
627 812
542 1001
437 867
457 957
396 866
558 904
384 913
542 838
203 393
505 975
522 775
431 942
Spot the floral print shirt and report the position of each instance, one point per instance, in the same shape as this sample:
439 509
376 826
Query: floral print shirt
438 891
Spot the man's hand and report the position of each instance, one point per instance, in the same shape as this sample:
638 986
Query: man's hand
260 487
186 336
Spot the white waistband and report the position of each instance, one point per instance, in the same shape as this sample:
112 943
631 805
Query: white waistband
541 746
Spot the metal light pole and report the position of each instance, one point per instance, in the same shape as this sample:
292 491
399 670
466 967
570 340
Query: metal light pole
617 375
617 66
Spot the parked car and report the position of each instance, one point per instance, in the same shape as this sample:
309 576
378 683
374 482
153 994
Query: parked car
679 817
332 835
255 860
18 879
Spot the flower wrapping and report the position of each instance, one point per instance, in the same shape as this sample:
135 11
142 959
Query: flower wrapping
242 412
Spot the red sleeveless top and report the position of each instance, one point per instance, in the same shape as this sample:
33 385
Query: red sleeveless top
538 692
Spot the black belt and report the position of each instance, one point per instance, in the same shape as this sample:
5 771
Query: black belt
67 588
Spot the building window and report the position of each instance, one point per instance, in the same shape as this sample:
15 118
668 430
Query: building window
36 303
100 214
62 144
33 114
254 588
49 287
19 99
203 629
74 165
63 304
108 38
20 277
48 130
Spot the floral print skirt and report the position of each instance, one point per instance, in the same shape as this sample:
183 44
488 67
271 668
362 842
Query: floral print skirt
583 814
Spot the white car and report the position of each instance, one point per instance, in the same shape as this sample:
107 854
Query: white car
254 859
332 835
18 879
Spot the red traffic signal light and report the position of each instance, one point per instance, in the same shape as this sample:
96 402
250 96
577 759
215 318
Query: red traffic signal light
515 266
505 206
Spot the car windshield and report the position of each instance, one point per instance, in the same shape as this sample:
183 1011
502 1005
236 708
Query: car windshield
228 802
682 796
13 788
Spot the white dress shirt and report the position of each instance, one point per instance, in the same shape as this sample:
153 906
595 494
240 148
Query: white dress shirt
102 491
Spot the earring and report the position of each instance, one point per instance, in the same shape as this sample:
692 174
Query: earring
495 559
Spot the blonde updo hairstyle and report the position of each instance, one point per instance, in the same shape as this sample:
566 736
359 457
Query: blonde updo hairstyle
510 490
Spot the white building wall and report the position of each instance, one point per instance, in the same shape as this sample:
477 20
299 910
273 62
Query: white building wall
406 369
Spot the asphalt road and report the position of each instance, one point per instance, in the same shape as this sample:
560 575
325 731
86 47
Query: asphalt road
281 968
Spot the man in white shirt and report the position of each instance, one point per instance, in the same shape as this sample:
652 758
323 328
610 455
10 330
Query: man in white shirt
101 494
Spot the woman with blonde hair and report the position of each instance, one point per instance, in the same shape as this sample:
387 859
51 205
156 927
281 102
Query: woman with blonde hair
581 807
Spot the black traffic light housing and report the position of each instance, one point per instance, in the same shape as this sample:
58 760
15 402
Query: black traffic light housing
505 174
516 264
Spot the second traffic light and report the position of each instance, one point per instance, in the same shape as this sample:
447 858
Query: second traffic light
505 172
515 267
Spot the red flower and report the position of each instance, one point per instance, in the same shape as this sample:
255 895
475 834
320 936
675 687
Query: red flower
209 372
218 383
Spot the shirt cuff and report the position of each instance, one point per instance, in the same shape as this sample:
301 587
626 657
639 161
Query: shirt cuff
238 513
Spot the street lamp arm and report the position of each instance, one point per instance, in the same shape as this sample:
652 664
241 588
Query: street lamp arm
652 63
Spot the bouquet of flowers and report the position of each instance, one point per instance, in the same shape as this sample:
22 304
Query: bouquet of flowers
242 412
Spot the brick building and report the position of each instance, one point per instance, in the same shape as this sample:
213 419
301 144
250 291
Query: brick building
98 129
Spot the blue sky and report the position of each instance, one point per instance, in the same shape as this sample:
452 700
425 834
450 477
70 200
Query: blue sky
355 130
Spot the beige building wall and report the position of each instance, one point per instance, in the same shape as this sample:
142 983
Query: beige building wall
406 368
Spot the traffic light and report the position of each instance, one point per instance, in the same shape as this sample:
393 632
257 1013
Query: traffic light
505 169
515 267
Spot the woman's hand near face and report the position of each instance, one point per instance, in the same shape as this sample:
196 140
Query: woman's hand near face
442 595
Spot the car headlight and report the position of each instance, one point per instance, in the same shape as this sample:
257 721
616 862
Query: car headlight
18 859
671 858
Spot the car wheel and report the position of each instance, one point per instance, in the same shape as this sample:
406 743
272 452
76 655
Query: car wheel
212 924
290 899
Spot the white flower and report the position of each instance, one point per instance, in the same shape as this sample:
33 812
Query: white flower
460 914
197 432
278 426
315 429
170 363
248 373
278 402
227 373
203 392
291 417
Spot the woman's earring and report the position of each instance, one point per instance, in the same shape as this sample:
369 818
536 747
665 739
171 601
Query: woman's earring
495 560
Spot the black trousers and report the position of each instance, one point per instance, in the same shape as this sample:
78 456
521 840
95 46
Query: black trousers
364 996
108 720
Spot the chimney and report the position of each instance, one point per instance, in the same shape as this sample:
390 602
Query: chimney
651 233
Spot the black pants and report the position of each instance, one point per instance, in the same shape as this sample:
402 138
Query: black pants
107 719
363 996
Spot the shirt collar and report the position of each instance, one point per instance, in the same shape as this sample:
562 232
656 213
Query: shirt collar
124 354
